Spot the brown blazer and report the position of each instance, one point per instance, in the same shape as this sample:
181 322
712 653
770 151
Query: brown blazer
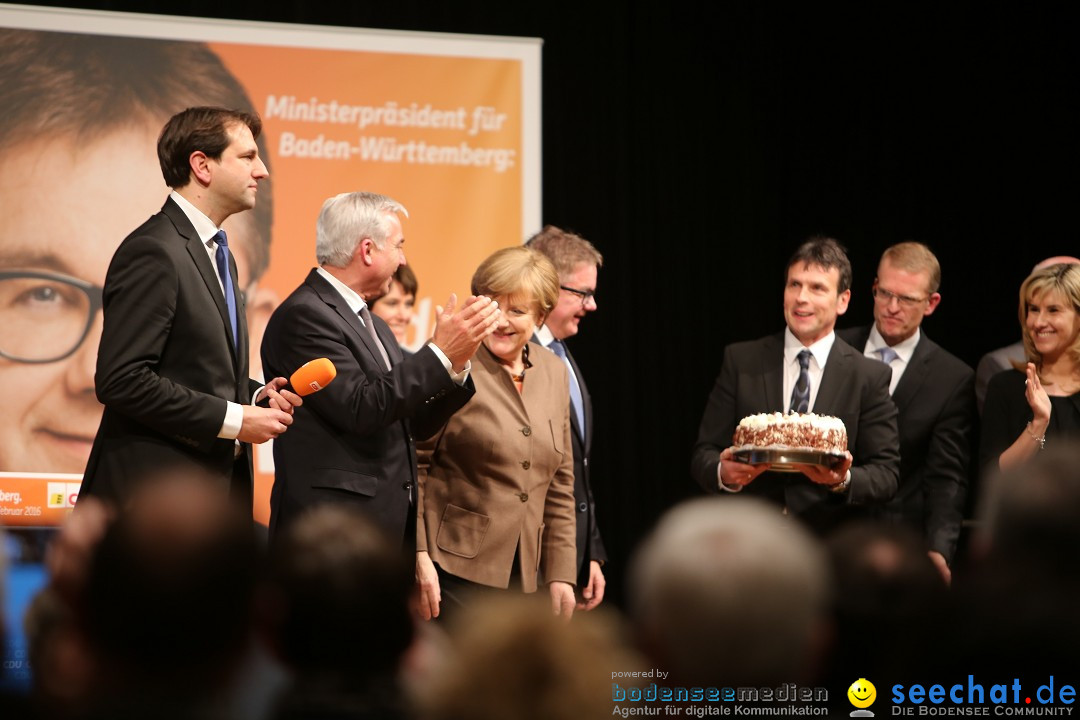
499 477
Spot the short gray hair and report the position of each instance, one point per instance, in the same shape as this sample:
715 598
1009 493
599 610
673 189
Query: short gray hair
346 219
730 588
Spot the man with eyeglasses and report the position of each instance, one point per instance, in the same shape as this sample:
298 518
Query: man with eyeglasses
934 393
88 109
806 368
577 262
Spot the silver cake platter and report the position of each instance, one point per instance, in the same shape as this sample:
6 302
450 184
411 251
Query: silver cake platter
786 460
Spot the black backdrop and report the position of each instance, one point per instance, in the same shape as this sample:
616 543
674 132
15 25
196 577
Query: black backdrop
696 143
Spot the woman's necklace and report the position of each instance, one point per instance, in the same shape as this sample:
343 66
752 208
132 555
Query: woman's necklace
519 377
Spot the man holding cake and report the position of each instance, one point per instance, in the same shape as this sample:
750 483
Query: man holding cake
805 369
934 393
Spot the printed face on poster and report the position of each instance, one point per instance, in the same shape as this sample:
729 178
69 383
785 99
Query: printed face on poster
446 125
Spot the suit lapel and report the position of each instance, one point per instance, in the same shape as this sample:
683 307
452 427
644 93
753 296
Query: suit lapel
837 369
332 298
856 337
197 250
915 373
536 391
584 434
772 361
498 375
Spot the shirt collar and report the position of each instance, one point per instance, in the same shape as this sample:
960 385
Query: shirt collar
351 297
543 336
820 350
904 349
204 226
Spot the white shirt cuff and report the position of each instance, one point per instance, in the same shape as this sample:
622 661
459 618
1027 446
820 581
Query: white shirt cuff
724 487
234 420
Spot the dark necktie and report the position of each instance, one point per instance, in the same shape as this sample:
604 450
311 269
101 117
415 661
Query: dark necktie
800 394
369 323
576 401
221 255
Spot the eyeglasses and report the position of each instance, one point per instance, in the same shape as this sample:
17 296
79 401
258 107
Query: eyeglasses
584 295
45 316
903 300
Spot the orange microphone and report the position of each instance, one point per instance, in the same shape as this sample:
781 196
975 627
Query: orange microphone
312 376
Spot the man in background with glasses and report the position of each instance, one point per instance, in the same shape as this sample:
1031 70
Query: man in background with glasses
78 172
577 262
934 393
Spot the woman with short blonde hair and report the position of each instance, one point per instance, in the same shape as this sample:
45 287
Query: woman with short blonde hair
496 483
1030 406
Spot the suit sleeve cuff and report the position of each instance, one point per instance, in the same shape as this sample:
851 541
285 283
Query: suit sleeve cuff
234 419
458 378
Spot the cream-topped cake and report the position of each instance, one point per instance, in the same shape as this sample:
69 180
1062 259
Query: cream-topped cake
796 431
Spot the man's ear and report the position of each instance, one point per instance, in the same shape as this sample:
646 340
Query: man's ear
932 303
366 249
200 167
842 301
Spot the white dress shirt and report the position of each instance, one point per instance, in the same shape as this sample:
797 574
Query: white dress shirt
904 350
819 355
206 230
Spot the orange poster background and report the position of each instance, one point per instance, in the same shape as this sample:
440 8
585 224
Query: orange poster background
459 213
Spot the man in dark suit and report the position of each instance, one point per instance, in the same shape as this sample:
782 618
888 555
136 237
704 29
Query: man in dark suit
73 106
172 369
355 441
805 368
934 393
577 262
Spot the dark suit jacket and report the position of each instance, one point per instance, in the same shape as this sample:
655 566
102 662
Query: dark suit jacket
935 399
498 480
853 388
352 442
167 363
590 546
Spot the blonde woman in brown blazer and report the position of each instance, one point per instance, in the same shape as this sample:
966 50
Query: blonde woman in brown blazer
496 483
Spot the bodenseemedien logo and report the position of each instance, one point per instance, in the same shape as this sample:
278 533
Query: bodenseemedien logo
862 695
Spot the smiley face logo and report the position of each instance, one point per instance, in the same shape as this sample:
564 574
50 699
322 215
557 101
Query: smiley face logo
862 693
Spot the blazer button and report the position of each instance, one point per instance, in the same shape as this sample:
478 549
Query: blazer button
407 486
524 497
526 464
526 431
582 507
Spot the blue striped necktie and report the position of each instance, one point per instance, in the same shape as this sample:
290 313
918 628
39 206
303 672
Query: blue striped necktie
800 394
